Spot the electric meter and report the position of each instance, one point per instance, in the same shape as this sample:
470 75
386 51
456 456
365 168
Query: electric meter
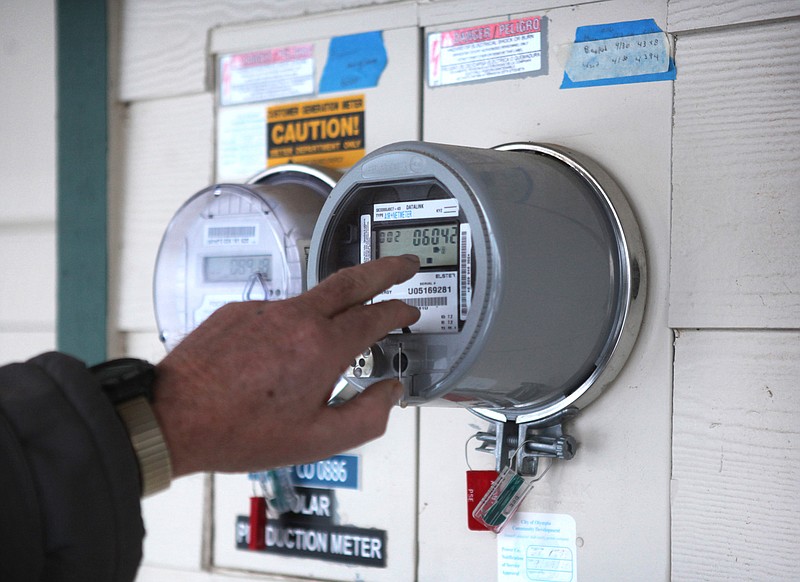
234 242
532 279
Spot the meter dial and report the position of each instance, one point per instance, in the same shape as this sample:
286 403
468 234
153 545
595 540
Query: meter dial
532 277
236 242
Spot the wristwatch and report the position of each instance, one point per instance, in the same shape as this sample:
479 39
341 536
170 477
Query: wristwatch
128 384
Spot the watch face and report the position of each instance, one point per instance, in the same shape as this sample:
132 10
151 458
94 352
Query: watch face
126 378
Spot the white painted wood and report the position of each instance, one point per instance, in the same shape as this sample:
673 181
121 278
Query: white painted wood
144 345
28 277
173 520
254 35
736 464
168 153
160 574
19 345
616 488
696 14
164 44
28 106
736 179
436 12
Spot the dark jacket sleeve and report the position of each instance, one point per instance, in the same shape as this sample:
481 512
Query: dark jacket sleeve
69 479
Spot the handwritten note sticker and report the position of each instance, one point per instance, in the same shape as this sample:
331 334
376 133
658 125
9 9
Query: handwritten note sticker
538 547
618 53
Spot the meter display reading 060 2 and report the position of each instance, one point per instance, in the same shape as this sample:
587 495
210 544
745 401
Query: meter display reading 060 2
532 273
433 232
435 246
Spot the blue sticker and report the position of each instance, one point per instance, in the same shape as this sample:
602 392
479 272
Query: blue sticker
637 51
336 472
354 62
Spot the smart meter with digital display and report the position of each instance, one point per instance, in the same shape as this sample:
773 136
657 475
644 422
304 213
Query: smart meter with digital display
532 279
234 242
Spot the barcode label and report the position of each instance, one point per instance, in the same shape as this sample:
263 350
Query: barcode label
426 301
366 238
465 271
231 235
435 294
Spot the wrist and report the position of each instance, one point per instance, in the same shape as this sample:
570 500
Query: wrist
128 383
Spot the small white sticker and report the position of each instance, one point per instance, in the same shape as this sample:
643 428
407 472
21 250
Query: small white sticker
241 142
465 270
435 294
623 56
416 210
267 74
487 51
366 238
231 235
538 547
304 250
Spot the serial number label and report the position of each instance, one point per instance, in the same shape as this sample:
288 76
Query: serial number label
429 290
435 295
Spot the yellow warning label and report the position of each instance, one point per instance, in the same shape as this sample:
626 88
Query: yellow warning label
328 132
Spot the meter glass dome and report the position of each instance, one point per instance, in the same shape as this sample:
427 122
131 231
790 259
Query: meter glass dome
234 242
531 281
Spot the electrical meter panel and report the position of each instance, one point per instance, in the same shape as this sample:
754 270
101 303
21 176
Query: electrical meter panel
532 278
234 242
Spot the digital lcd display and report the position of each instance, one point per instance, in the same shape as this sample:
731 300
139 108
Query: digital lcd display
236 268
435 245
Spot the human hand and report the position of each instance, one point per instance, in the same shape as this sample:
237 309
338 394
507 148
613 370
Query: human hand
248 389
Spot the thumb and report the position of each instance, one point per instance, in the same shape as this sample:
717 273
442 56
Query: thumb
366 415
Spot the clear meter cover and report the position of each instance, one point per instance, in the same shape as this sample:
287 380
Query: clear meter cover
532 277
231 243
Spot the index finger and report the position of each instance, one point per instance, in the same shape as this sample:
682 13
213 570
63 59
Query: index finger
355 285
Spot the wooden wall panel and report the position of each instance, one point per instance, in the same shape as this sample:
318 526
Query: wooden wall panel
617 486
696 14
28 106
168 154
164 44
27 278
736 179
736 463
19 346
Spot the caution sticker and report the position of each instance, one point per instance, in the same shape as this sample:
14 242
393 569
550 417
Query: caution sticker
327 132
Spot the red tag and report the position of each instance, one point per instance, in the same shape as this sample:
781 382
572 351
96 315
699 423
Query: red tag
478 483
258 523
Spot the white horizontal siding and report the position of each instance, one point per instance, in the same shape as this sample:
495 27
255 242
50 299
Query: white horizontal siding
164 44
168 154
736 179
736 463
696 14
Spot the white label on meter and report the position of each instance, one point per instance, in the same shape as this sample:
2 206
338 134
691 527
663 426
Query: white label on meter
230 234
366 238
465 270
435 294
416 210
